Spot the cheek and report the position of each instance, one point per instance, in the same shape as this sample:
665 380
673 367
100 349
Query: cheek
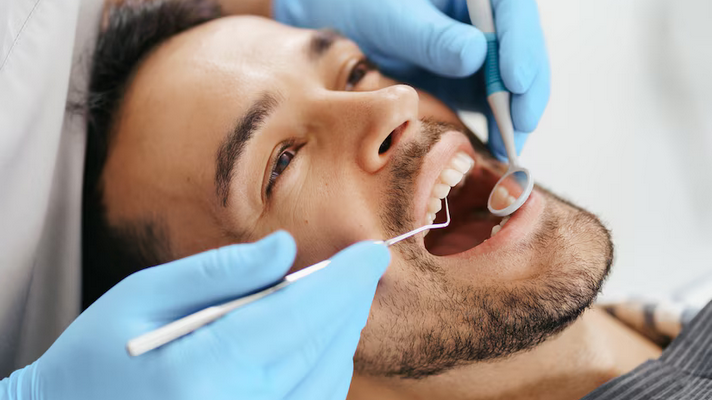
405 286
328 215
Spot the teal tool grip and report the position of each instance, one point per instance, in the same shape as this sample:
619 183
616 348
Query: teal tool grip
493 81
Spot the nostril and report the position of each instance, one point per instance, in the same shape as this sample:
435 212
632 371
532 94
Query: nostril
386 144
392 138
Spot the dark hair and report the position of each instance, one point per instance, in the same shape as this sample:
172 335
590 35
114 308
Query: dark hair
110 252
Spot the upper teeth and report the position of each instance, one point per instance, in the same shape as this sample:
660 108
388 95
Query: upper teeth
451 176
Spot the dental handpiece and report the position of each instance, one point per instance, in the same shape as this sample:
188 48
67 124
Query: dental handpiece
517 183
497 94
190 323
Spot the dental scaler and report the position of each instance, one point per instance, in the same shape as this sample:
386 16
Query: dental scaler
514 188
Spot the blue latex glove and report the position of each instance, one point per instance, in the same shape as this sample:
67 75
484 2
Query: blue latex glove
431 44
295 344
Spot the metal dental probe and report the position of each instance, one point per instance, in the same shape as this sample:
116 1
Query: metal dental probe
188 324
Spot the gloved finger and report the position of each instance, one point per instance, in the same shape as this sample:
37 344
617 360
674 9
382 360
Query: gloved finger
306 313
329 379
341 391
336 366
528 108
423 35
454 9
496 144
184 286
522 52
308 374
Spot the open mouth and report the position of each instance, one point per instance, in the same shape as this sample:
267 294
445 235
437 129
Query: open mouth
467 187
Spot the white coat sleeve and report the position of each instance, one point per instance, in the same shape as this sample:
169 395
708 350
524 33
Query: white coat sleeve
41 161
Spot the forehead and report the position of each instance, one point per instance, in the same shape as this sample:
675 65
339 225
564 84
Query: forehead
209 74
242 54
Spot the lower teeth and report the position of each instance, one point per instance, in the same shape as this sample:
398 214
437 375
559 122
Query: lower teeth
498 227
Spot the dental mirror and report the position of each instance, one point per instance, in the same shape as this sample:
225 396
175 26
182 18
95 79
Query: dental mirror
514 188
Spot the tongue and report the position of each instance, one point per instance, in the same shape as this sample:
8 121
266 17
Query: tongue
460 238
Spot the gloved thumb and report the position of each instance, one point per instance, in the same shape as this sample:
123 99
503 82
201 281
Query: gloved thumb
429 38
214 276
371 258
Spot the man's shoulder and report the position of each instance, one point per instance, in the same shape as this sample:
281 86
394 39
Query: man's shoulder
684 371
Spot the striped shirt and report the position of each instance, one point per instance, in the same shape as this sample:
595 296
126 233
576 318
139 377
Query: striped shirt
683 372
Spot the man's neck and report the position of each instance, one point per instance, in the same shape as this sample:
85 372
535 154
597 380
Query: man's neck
593 350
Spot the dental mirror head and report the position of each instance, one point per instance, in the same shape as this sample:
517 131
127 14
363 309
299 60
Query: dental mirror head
510 192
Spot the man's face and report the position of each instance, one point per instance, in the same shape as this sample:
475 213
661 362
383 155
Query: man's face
243 126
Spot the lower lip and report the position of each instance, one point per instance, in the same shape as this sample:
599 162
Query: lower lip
520 225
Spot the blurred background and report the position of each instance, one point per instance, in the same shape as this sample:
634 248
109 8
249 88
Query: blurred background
628 135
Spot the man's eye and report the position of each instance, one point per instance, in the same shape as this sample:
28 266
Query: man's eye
281 164
359 71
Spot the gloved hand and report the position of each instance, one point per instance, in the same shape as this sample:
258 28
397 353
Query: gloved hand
431 44
295 344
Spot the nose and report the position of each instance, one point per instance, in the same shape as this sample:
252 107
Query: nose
370 125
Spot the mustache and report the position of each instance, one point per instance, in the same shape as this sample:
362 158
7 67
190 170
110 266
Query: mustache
397 214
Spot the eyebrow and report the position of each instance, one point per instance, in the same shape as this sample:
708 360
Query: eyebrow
233 145
321 41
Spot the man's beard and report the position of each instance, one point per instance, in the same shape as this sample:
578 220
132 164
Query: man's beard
470 323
